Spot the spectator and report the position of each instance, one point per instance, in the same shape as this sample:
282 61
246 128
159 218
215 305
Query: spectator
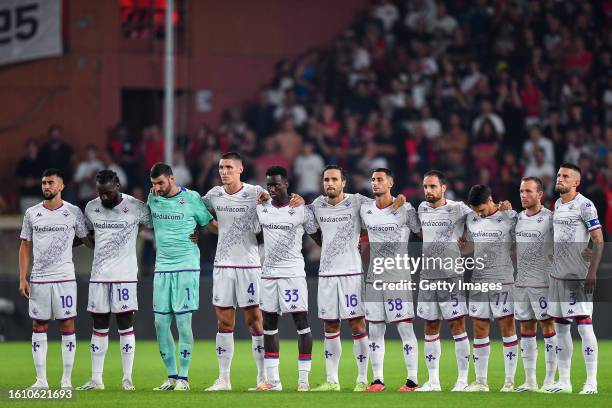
85 175
56 153
291 108
361 103
388 13
182 174
153 144
307 169
288 139
542 169
29 173
260 117
486 149
109 164
487 114
536 139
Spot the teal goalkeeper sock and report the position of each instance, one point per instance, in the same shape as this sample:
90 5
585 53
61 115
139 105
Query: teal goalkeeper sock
166 342
183 323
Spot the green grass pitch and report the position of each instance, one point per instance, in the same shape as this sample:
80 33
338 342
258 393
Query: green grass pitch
17 371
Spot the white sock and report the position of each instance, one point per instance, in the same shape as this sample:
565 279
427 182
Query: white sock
510 356
411 349
462 354
589 350
68 352
98 347
127 341
304 365
39 354
225 353
565 349
529 353
257 346
432 357
333 351
377 350
550 357
271 362
482 350
362 355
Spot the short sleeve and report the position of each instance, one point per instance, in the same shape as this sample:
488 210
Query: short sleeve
26 227
144 215
588 214
310 222
468 234
88 223
201 213
412 218
206 199
512 218
361 199
80 225
255 225
464 210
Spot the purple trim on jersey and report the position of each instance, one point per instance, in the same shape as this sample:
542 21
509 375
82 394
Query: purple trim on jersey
271 355
505 316
430 321
533 213
374 321
387 206
67 318
175 313
98 334
586 321
235 192
304 357
480 318
329 320
236 266
248 307
25 239
568 279
407 320
337 276
181 189
41 321
40 330
135 281
179 270
278 206
60 281
352 317
68 332
561 320
49 209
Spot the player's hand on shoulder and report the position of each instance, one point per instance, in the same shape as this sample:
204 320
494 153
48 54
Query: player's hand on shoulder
194 237
504 206
24 288
399 201
263 197
296 200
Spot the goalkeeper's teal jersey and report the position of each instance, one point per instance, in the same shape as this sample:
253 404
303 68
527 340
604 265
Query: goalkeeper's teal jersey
174 219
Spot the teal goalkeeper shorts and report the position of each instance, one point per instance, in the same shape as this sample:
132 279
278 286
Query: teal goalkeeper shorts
176 292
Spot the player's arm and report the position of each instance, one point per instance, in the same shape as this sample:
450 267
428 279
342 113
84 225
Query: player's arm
213 226
317 237
24 263
504 205
466 244
597 252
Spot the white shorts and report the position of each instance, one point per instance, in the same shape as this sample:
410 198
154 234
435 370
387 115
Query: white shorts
236 287
388 306
567 299
494 304
530 303
284 295
441 304
112 297
53 300
339 297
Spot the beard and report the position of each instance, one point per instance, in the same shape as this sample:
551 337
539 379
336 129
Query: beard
431 198
562 189
332 193
166 192
110 204
49 195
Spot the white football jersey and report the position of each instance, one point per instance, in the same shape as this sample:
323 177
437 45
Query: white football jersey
115 233
493 239
573 221
340 230
283 230
52 233
534 245
237 245
388 235
442 227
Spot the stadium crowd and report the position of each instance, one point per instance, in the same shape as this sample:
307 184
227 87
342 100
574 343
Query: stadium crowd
486 91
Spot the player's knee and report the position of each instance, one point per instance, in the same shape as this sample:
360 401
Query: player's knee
253 318
162 322
301 320
548 327
270 321
67 325
125 320
457 326
432 327
101 321
40 324
507 326
332 326
358 326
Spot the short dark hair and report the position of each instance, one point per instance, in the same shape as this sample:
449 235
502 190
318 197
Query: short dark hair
572 166
277 171
53 172
334 167
107 176
385 170
160 169
436 173
479 194
540 185
231 155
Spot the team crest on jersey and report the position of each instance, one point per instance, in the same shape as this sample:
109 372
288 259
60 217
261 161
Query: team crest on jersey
66 213
291 211
181 201
245 195
539 220
449 210
347 204
125 210
370 212
571 207
499 219
474 310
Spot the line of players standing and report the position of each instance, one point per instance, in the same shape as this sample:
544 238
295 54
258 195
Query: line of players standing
266 290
